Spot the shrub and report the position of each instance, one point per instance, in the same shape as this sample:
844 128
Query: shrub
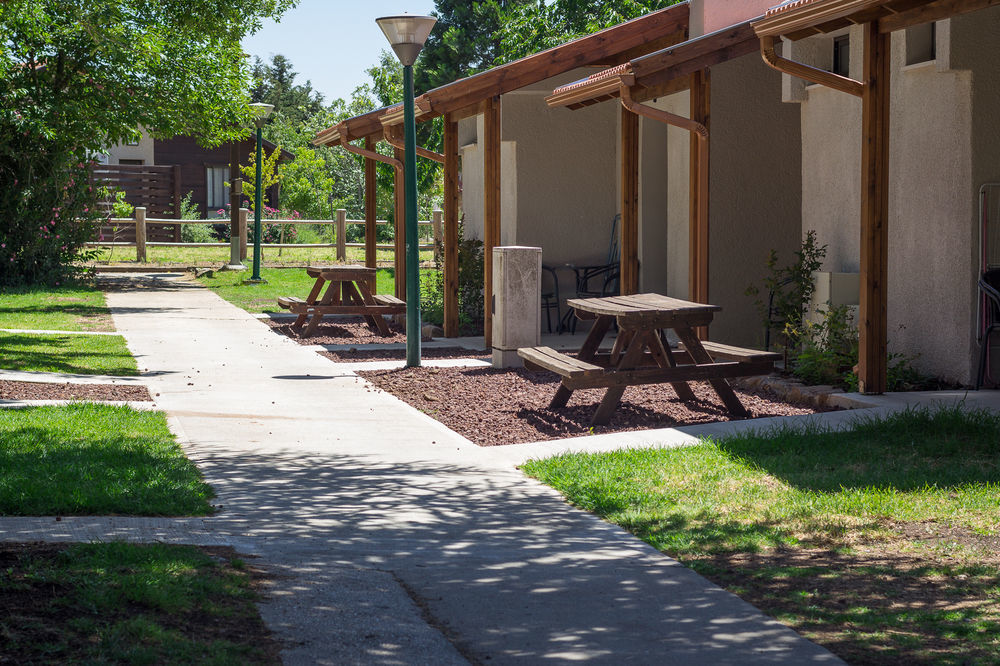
470 287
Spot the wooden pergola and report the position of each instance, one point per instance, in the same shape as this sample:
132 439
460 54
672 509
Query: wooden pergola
481 94
880 18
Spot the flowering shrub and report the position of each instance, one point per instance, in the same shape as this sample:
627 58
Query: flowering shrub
271 232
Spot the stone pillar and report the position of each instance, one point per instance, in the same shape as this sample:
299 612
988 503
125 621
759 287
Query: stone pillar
516 302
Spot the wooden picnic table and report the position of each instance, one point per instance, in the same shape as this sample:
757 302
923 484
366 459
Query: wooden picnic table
351 291
641 355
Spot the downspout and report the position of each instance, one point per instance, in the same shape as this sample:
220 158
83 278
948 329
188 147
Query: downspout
699 229
370 154
395 142
807 72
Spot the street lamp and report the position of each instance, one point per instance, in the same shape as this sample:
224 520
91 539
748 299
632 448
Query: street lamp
260 113
407 34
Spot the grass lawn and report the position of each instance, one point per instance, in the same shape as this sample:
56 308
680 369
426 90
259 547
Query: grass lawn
70 308
216 256
115 603
87 459
84 354
880 543
280 282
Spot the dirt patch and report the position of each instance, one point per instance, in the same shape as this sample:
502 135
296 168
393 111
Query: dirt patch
493 407
883 603
14 390
339 332
355 355
934 533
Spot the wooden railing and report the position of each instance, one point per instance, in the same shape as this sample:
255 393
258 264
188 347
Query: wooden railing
339 241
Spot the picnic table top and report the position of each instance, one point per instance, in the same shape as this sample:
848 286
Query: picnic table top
341 272
642 305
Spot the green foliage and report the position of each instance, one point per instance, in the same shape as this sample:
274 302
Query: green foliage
274 84
194 233
792 287
76 78
268 174
470 288
307 185
829 349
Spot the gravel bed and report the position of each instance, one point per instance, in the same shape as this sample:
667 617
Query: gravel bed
13 390
338 332
355 355
494 407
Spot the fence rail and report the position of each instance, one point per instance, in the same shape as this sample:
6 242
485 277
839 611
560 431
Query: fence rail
238 243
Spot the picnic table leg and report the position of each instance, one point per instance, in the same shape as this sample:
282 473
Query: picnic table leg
367 296
330 297
587 353
632 358
699 355
665 359
310 300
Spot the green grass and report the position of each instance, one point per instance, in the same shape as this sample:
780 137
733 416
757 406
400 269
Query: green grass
257 298
114 603
770 515
87 459
67 308
84 354
216 256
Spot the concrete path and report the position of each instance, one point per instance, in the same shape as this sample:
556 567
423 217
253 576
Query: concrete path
393 540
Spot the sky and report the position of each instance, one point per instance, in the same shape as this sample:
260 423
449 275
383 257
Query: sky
331 42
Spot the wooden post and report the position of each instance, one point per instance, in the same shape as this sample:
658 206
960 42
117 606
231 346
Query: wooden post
436 217
244 214
451 203
873 327
341 234
629 282
698 201
371 199
491 212
140 234
177 201
235 194
399 212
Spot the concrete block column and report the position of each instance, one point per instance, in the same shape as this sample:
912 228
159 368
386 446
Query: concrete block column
516 303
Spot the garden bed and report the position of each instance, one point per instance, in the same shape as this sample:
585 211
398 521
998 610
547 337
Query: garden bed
353 355
352 331
14 390
494 407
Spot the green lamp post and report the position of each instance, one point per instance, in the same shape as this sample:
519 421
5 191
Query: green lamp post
406 34
260 113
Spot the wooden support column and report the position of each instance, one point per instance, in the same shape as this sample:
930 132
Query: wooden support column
873 328
491 212
451 203
371 208
698 197
398 215
629 282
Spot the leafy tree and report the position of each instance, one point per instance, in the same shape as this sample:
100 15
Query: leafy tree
268 174
534 26
274 83
77 77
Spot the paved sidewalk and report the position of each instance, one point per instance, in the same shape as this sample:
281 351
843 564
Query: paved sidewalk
392 539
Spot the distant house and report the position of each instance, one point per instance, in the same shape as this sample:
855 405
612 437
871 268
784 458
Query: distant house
201 171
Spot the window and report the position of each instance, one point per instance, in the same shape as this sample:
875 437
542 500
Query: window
135 162
218 192
842 55
920 43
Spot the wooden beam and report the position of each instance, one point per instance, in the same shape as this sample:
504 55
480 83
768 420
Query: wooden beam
398 215
695 55
932 11
873 327
698 197
491 207
655 44
629 278
394 137
371 208
451 203
471 110
646 93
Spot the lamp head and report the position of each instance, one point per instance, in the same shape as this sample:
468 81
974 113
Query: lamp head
406 34
260 112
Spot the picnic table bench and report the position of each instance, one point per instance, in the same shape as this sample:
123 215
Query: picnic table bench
351 291
641 356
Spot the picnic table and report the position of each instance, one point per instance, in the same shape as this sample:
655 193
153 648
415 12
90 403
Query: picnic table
641 355
351 291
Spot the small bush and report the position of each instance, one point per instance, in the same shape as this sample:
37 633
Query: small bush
470 288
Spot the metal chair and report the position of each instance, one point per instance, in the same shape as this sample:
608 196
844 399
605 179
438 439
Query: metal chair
596 281
550 299
989 289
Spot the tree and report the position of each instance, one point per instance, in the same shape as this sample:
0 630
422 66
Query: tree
76 78
275 84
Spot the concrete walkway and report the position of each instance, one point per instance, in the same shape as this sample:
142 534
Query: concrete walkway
391 539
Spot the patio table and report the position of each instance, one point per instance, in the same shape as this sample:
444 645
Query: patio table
351 291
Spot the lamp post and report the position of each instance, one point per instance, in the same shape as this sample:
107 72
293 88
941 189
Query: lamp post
261 112
406 34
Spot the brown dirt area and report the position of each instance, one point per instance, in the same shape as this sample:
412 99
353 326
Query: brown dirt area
15 390
895 601
35 607
495 407
338 332
357 355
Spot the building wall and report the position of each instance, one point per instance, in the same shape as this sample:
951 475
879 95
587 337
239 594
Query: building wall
142 151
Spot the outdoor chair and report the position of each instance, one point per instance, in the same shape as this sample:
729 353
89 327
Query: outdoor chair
989 288
596 281
550 298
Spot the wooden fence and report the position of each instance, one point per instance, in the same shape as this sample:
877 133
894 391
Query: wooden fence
139 226
155 188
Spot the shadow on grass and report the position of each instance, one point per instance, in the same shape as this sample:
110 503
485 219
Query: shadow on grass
65 353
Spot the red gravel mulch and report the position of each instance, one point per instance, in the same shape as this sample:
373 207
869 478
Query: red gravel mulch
355 355
338 332
494 407
12 390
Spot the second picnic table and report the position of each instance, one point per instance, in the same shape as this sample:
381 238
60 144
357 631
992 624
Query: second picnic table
351 291
640 354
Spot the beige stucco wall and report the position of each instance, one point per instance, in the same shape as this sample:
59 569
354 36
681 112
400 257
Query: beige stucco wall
932 197
143 151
